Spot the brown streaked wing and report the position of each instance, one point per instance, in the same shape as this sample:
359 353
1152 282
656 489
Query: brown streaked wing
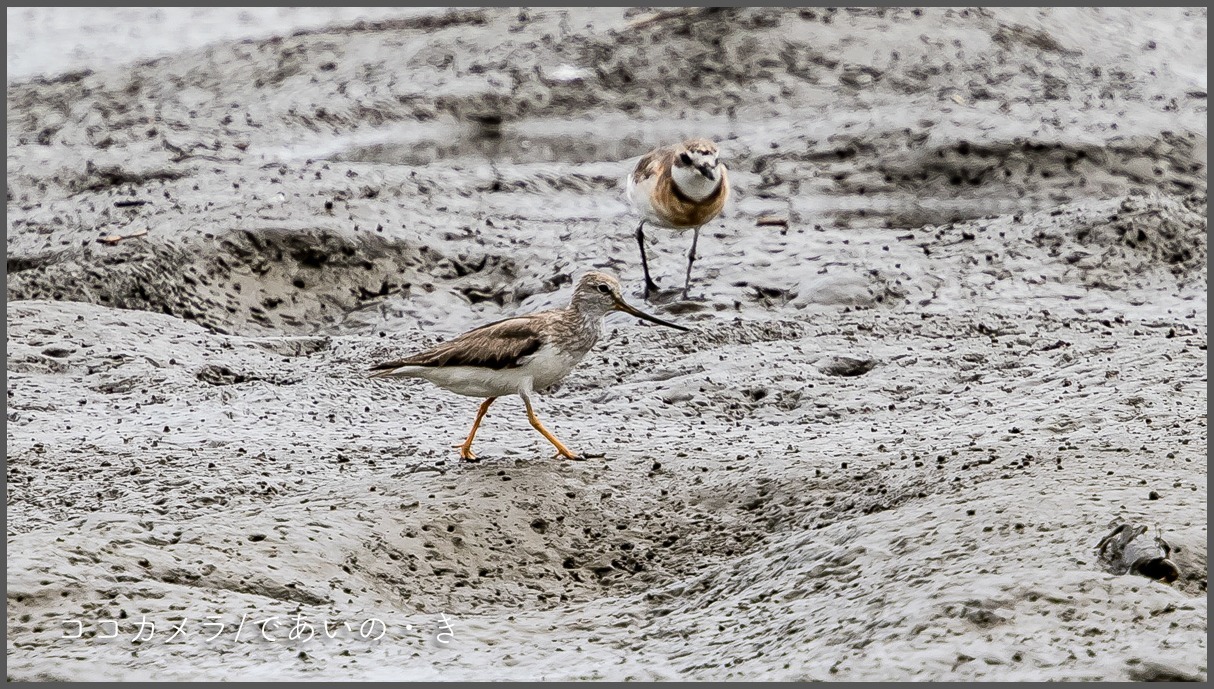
654 163
497 346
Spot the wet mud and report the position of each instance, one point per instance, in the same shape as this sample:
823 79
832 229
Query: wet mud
904 418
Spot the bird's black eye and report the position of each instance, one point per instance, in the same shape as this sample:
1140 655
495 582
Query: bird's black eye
604 289
686 159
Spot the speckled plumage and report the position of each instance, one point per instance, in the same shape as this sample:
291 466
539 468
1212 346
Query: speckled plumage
678 187
519 355
655 193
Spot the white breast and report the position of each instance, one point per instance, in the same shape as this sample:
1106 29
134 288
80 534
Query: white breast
693 184
548 366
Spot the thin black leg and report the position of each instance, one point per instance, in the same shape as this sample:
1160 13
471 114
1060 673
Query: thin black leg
691 258
650 286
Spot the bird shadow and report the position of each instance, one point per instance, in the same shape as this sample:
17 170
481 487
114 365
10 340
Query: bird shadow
483 462
685 306
661 297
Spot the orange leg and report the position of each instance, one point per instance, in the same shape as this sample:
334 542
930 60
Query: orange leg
465 450
561 450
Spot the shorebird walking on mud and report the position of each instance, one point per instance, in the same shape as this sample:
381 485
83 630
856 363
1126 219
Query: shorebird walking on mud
520 355
678 187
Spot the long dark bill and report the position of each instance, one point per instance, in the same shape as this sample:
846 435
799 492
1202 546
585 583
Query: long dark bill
621 306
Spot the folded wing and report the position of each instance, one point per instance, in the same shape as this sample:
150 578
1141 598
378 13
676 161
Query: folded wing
501 345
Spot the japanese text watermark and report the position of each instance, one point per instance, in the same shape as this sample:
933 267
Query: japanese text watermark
295 629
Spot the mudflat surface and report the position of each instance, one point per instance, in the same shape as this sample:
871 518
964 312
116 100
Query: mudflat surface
888 450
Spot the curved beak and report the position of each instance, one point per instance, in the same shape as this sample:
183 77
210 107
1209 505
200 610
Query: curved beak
620 305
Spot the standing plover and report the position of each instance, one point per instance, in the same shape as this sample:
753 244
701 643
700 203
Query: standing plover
520 355
678 187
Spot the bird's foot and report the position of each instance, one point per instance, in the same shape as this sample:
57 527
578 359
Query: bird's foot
465 453
572 456
686 293
651 288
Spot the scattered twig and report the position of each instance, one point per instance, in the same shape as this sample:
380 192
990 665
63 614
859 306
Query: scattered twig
771 221
669 14
113 239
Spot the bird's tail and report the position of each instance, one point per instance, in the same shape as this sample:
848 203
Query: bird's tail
392 370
